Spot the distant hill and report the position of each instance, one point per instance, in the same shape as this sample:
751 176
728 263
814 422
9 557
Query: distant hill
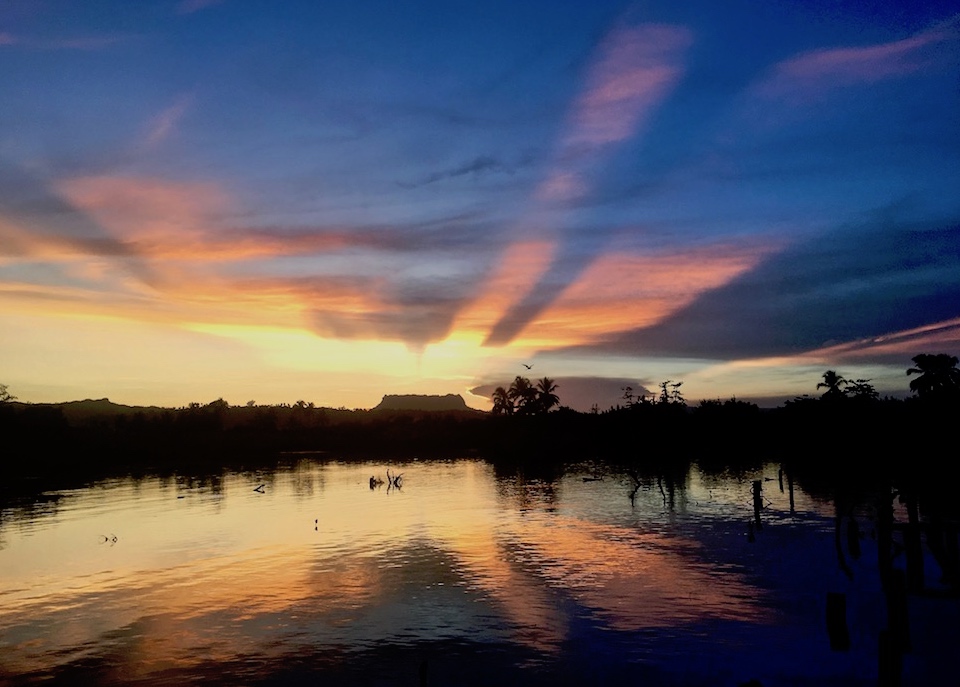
422 402
92 410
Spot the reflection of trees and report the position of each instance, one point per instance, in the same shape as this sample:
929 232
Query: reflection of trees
529 488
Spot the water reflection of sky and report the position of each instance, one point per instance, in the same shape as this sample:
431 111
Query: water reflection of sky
210 571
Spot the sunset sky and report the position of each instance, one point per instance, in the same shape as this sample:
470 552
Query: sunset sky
336 200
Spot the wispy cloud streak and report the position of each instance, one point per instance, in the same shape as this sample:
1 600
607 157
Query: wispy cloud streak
163 124
477 167
191 6
90 42
822 70
631 75
635 69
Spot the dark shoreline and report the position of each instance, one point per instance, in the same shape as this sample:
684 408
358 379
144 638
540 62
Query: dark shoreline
848 442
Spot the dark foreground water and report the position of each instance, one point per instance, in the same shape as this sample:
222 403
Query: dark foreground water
461 577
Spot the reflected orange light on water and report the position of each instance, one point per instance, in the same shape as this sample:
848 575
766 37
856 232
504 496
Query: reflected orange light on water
203 574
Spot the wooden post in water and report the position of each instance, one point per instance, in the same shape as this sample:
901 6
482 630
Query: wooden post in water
913 545
790 488
757 501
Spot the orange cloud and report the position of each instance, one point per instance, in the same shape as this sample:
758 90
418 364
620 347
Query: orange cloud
138 207
619 292
521 267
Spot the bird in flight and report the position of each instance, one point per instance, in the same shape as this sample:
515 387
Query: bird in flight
529 367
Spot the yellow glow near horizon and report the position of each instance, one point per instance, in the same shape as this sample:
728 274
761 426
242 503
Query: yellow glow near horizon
304 350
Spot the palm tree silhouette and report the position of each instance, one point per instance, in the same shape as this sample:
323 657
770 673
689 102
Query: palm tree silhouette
502 403
832 382
939 377
546 399
523 395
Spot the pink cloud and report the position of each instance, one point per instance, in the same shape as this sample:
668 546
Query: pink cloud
82 43
140 207
561 186
162 125
840 67
74 43
191 6
635 70
937 336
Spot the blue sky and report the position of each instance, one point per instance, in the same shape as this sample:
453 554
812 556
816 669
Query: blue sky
337 200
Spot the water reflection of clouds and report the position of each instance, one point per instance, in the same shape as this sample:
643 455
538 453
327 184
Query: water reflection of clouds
635 580
456 554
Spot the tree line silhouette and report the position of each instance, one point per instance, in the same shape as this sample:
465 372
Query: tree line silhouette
524 398
528 423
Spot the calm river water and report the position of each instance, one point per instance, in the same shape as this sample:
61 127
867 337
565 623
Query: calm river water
463 576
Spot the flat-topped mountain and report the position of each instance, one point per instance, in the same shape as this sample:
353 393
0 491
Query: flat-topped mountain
422 402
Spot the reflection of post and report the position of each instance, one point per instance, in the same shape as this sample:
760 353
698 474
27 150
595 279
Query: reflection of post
942 542
914 546
841 559
898 622
895 639
893 580
837 621
952 547
790 488
890 661
884 538
780 478
757 501
853 538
